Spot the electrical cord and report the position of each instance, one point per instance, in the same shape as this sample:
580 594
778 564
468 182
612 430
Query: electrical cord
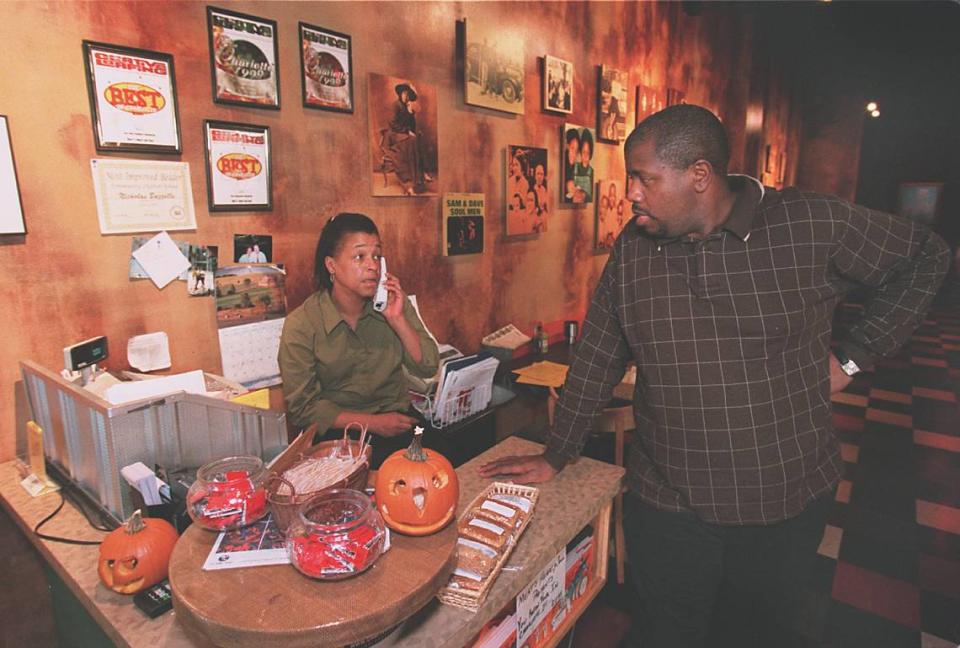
72 541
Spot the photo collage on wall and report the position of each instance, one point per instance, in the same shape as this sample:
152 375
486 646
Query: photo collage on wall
402 126
526 195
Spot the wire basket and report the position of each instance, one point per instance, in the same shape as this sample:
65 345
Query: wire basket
465 404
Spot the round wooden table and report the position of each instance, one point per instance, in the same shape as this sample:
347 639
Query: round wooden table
254 606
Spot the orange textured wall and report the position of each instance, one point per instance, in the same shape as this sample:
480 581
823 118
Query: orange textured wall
64 281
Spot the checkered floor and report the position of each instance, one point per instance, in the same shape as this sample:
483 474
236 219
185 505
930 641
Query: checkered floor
888 570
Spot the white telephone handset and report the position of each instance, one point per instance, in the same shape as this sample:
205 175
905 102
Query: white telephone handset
380 299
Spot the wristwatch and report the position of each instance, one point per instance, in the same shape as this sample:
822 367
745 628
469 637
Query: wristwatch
849 366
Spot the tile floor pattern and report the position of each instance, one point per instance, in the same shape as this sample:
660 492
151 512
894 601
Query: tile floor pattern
888 568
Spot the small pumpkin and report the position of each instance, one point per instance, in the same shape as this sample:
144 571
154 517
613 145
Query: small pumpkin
417 490
135 555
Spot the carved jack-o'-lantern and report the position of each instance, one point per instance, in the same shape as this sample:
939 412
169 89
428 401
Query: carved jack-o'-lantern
135 556
417 490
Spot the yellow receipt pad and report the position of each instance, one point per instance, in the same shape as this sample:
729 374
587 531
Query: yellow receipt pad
546 374
259 398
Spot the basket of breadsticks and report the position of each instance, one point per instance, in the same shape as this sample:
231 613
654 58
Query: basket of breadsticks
303 471
488 530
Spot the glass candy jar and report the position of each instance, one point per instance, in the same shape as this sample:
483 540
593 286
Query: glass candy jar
228 493
338 534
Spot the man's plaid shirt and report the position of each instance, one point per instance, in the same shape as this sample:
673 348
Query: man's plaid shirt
731 336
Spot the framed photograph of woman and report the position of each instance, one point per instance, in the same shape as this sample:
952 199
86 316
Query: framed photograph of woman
527 208
326 69
577 164
239 170
133 99
612 105
403 137
557 84
612 213
243 59
11 207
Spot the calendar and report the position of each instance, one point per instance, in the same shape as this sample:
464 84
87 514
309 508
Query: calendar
249 353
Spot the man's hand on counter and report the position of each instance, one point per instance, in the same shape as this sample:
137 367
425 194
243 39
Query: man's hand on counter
529 469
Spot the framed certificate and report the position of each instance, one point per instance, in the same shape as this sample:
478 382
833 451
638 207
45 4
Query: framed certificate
11 208
133 99
326 69
142 196
243 59
238 166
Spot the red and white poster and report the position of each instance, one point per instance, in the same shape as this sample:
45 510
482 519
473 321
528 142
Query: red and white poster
133 98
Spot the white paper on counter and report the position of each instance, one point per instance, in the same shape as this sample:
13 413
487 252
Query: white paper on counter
149 351
161 259
191 382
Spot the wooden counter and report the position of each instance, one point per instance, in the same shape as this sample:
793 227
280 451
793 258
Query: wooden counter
579 495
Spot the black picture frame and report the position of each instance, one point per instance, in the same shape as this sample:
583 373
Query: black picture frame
216 44
317 103
106 144
12 210
212 204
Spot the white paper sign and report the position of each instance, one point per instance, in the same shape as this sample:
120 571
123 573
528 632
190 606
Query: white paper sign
11 211
162 259
142 196
149 351
539 597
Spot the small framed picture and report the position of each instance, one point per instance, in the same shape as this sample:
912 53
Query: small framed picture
239 169
612 105
133 99
557 84
11 207
613 212
493 67
527 209
243 59
463 223
649 100
577 150
920 201
326 69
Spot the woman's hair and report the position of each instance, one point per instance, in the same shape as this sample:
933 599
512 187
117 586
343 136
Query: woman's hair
330 238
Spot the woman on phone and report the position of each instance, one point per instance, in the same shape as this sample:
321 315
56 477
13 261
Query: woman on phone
343 362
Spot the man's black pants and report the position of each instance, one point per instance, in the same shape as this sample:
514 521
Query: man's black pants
703 584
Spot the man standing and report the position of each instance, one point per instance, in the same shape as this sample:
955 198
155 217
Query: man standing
723 293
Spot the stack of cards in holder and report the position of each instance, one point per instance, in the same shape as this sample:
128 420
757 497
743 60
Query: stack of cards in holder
488 531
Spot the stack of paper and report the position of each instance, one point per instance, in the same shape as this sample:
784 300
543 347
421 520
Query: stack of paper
544 374
464 387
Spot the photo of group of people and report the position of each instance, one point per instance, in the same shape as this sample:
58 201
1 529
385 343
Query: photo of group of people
578 149
613 212
557 84
527 198
403 136
493 68
612 111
